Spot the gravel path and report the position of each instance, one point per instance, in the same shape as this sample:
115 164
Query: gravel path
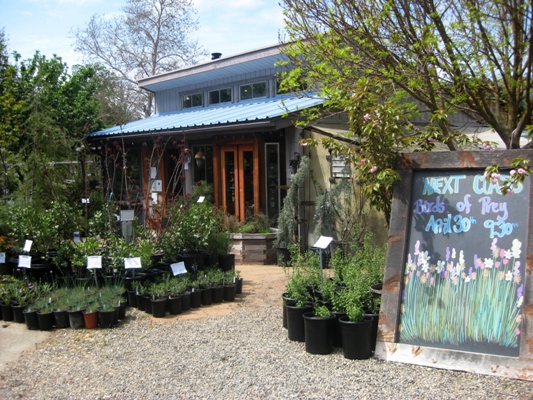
245 355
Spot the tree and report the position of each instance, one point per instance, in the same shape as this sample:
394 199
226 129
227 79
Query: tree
47 114
386 62
148 38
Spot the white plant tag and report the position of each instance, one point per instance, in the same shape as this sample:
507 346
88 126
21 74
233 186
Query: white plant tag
178 268
132 263
94 262
27 245
24 261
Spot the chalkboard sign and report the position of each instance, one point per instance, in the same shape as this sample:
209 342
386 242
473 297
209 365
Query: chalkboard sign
457 291
463 279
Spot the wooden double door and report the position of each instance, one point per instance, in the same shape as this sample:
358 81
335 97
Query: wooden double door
239 186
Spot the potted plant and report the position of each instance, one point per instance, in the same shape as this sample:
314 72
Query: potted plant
296 290
230 287
355 327
319 330
286 234
187 237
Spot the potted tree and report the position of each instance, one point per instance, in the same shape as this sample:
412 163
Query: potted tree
286 234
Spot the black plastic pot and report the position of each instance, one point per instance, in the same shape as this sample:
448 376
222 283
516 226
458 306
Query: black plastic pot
356 338
226 262
141 305
46 321
196 298
174 305
106 318
61 319
286 302
318 333
373 329
217 294
295 322
32 322
207 298
337 335
18 315
238 283
132 298
186 301
159 307
229 292
76 320
7 312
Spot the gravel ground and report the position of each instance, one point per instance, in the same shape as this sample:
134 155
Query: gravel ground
245 355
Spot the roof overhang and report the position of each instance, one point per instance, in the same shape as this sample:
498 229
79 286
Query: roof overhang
254 115
222 68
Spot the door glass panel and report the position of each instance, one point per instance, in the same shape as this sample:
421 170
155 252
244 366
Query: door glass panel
272 180
229 159
248 183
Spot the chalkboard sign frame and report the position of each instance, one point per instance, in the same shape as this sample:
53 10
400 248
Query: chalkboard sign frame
388 346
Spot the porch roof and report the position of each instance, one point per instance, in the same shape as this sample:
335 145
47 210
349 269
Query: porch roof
258 112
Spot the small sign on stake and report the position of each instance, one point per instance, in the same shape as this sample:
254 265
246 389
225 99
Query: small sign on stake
132 263
24 261
94 262
27 245
2 258
201 199
178 268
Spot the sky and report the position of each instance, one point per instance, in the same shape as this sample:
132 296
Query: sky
226 26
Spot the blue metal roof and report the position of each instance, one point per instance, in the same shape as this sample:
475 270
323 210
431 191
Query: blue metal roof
256 111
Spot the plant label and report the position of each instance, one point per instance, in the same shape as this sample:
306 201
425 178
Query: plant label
85 201
2 258
94 262
77 237
24 261
201 199
178 268
132 263
323 242
27 245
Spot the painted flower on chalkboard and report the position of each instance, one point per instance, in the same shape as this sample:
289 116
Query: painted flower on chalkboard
444 288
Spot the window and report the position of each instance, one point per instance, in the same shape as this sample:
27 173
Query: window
340 168
220 96
192 100
253 90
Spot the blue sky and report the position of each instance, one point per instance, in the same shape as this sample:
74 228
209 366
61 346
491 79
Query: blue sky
226 26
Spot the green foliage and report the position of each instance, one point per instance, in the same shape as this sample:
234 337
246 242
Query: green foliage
191 229
287 220
387 64
259 223
322 312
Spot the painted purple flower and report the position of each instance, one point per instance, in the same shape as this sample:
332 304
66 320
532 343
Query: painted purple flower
447 253
470 272
516 270
520 291
493 245
475 261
